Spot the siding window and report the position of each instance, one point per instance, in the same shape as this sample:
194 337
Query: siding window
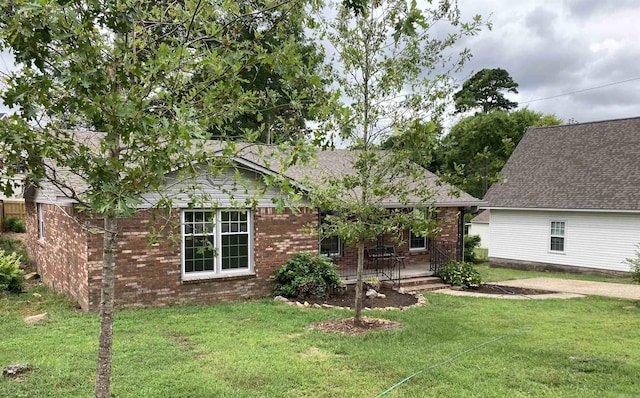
215 243
557 236
40 215
416 242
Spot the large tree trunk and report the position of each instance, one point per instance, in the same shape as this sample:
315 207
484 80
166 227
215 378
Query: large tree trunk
103 376
357 319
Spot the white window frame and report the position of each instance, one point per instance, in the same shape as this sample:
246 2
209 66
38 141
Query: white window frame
563 236
40 215
217 234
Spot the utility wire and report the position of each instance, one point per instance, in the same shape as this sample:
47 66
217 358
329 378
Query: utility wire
580 91
401 382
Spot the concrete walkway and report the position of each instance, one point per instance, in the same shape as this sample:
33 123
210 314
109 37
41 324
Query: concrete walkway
616 290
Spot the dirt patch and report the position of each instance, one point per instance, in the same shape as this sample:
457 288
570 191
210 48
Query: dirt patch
347 326
497 289
391 299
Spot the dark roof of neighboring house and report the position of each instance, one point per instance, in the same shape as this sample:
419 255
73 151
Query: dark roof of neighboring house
577 166
482 218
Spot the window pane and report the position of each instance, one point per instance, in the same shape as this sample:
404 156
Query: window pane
198 242
417 242
330 246
557 244
235 250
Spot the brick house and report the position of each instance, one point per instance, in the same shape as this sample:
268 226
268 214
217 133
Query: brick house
182 267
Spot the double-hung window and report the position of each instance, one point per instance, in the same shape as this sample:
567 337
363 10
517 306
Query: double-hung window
215 243
40 215
557 235
416 242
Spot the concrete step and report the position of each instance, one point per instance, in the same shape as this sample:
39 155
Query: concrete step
423 280
426 287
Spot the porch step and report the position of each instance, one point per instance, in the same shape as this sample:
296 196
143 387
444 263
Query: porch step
423 284
426 288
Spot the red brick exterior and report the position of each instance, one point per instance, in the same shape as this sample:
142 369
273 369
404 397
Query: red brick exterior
61 256
69 258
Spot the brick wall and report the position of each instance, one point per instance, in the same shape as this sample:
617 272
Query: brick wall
61 255
150 275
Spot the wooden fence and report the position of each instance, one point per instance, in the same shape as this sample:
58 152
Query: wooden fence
12 208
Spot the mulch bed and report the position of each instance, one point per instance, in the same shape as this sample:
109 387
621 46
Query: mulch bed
497 289
348 299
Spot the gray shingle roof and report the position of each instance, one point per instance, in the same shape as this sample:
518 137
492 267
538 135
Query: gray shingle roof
328 162
577 166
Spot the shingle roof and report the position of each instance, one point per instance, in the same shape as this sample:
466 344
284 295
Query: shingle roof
577 166
265 158
484 217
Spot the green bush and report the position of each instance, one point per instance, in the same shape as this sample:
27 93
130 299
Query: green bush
10 273
14 224
635 265
307 275
470 243
14 246
457 273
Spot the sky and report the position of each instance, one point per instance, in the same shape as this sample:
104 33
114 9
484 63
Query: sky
577 59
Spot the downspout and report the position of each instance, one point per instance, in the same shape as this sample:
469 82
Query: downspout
460 256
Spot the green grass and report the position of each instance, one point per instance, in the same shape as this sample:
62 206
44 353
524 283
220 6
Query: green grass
489 274
549 348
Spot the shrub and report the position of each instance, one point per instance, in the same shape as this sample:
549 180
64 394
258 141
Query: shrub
14 224
14 246
10 273
457 273
307 275
635 265
470 243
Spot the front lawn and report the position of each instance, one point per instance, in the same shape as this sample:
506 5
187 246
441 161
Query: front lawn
545 348
490 274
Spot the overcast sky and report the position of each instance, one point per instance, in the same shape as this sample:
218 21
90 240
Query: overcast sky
556 47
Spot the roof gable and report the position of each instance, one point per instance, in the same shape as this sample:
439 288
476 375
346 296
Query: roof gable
577 166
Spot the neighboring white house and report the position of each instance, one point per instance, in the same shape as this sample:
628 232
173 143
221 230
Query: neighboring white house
570 199
479 225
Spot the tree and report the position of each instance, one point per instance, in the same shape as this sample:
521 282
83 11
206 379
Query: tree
384 63
477 147
152 78
484 90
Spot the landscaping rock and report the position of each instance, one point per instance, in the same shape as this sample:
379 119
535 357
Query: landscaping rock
31 275
15 370
37 295
402 290
280 299
371 293
380 295
36 319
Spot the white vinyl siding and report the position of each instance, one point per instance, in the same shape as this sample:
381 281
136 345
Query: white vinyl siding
226 191
482 230
591 239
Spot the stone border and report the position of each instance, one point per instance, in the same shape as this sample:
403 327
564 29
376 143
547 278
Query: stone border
421 301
